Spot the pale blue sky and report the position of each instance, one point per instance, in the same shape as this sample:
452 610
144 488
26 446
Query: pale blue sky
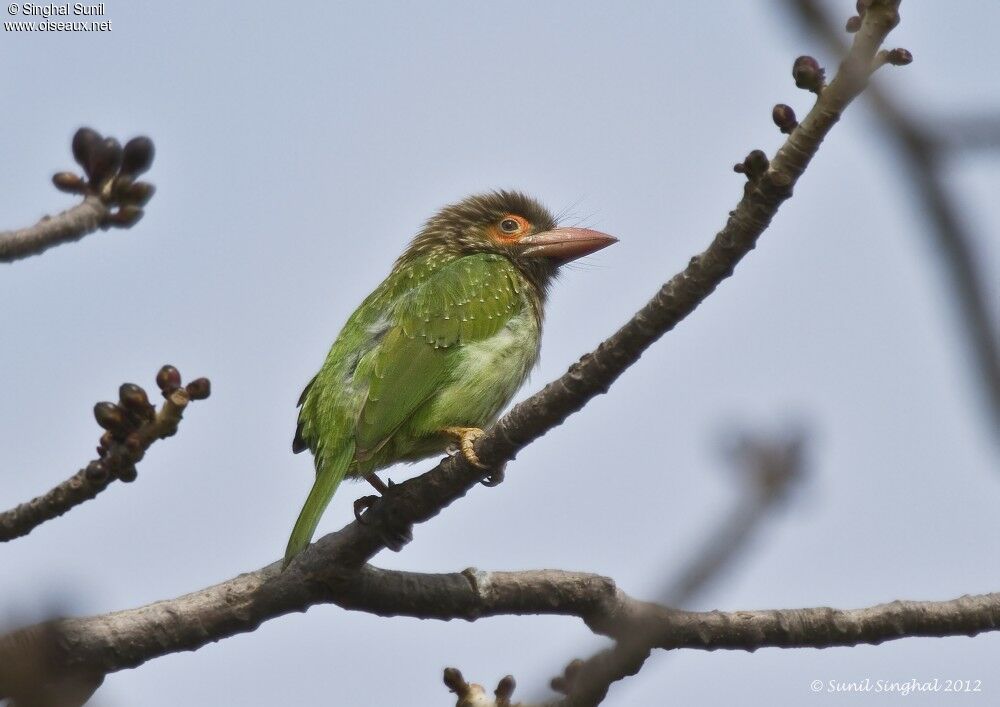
300 146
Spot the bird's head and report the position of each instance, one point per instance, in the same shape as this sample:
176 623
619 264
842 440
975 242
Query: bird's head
510 224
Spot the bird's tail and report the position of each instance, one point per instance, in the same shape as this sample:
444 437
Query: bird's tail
328 478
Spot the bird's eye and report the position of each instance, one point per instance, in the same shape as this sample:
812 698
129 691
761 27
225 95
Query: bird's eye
509 225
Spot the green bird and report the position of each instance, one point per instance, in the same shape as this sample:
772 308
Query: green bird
438 349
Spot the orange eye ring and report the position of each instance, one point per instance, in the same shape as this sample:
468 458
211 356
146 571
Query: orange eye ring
510 228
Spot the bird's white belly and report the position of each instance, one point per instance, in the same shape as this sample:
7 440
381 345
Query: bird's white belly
489 372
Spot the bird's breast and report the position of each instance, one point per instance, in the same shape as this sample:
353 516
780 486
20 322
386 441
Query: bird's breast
487 373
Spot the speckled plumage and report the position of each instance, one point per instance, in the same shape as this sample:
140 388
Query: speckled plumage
444 341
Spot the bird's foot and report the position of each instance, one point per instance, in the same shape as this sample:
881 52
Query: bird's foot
495 477
466 437
393 535
362 506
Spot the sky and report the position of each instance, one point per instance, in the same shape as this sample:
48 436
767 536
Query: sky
299 147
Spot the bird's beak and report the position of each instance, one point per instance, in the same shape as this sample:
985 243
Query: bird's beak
565 244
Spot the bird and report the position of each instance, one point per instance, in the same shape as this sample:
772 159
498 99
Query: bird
438 349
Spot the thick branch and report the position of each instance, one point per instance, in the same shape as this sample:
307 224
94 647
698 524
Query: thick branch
127 638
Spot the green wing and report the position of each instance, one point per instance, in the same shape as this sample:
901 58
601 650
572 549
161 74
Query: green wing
396 350
467 300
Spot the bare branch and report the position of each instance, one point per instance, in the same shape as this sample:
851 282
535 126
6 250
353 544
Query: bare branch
125 639
334 568
918 144
639 627
112 197
65 227
131 427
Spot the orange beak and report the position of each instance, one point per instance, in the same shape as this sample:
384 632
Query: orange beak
565 244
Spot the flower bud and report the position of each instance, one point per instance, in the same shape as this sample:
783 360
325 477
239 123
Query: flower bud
138 155
84 141
784 117
69 182
168 379
199 388
105 158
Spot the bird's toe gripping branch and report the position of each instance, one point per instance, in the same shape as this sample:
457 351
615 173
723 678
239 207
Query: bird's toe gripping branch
111 171
393 534
466 438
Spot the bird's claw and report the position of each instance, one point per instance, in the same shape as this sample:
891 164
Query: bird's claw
362 505
467 437
392 535
495 477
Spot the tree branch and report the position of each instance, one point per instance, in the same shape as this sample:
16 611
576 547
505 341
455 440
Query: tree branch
131 428
65 227
770 183
125 639
331 567
919 145
112 197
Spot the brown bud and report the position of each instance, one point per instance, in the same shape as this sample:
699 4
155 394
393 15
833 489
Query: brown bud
853 24
784 117
110 417
199 388
138 193
84 141
573 669
899 57
808 74
126 215
121 184
755 164
127 473
168 379
96 471
69 182
505 688
134 399
559 684
454 680
105 159
133 445
138 155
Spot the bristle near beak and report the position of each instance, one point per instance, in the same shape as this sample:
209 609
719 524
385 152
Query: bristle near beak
565 244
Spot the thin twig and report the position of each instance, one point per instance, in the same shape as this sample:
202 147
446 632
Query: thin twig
65 227
112 196
137 424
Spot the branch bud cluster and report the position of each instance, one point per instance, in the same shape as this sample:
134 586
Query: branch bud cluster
111 171
133 423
